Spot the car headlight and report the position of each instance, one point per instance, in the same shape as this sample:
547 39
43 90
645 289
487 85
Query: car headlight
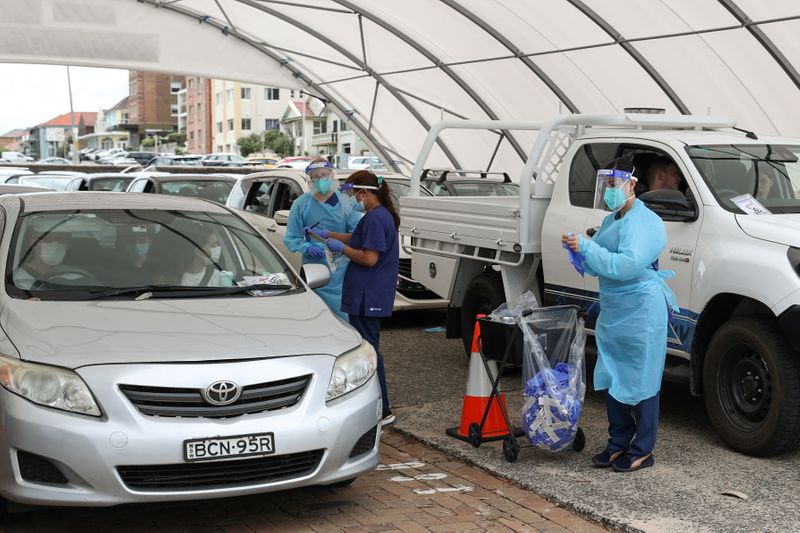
794 258
352 370
47 385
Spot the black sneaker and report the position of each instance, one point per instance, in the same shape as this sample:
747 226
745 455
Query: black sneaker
388 418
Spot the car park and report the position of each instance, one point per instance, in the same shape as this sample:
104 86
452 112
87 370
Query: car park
268 197
174 160
444 183
216 188
221 159
158 389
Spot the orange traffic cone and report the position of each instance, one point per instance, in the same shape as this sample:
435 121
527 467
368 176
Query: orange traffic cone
476 399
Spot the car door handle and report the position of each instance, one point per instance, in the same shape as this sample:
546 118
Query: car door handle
591 231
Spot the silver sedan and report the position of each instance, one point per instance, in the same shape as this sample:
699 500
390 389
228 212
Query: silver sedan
157 348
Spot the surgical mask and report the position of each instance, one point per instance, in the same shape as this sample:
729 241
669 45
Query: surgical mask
53 252
615 198
214 253
358 205
323 185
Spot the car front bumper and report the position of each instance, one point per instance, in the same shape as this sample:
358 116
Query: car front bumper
88 450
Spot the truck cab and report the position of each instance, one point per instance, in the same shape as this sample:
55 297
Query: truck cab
733 226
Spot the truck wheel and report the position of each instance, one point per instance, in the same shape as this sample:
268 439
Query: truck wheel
484 294
751 384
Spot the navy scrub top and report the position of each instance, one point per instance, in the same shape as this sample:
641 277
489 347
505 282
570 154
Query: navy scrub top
369 291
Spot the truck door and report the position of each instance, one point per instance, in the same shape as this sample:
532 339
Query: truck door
682 236
570 209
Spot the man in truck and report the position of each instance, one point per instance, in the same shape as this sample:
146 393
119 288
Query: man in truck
663 173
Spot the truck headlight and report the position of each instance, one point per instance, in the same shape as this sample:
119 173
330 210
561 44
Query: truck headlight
794 258
352 370
47 385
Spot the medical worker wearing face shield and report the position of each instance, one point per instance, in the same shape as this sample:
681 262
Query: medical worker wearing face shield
631 330
325 208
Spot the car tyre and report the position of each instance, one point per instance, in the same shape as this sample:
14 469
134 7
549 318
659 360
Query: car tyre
484 294
751 382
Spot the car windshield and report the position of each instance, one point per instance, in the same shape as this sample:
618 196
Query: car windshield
57 183
402 188
484 188
216 191
80 254
770 173
110 184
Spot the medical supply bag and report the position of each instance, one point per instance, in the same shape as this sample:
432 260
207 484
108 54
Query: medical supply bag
554 375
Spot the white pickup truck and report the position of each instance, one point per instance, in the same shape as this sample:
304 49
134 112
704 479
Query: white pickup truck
737 336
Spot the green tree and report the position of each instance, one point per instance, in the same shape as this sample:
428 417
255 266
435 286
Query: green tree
148 142
250 144
279 143
176 137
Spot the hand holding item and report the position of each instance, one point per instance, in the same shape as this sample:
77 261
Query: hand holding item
334 245
575 258
310 231
315 251
571 241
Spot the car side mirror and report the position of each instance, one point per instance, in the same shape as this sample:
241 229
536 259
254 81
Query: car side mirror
282 217
315 275
670 204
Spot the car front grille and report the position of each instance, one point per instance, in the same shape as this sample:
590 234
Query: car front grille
38 469
404 268
186 402
366 443
219 474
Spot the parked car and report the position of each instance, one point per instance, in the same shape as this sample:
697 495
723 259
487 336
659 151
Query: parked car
122 384
269 195
209 187
55 161
263 162
221 159
362 162
444 183
102 181
15 157
56 182
20 189
174 160
12 175
143 158
299 162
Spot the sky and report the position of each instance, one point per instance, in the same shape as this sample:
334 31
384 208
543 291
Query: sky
32 94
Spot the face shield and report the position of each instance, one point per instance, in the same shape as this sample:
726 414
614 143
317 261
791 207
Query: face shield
321 176
614 188
351 189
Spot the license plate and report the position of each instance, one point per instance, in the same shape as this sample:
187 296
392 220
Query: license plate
225 447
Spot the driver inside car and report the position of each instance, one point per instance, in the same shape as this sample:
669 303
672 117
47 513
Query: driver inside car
42 257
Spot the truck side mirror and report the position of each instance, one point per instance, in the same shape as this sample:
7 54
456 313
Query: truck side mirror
670 205
282 217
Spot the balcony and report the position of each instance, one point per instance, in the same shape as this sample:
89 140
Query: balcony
320 139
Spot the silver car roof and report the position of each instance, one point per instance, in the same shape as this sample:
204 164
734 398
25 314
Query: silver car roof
61 201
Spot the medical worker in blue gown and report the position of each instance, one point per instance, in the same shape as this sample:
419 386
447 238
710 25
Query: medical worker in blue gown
325 208
371 280
631 330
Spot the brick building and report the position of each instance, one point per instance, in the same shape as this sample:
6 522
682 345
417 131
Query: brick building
152 103
199 138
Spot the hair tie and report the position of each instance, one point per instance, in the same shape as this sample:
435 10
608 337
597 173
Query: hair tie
380 181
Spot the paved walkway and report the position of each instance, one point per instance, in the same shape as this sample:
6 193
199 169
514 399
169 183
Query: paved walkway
415 489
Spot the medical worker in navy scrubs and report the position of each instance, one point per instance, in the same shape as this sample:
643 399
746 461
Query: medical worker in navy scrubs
631 330
373 250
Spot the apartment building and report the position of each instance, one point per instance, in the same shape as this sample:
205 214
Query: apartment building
241 109
195 118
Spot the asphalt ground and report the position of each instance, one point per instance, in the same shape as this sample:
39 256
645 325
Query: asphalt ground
682 492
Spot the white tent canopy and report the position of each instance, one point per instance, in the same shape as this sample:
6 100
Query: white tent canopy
393 68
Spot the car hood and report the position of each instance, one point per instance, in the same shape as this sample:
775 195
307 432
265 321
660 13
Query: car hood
781 229
75 334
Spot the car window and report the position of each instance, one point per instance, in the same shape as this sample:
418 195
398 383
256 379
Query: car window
437 189
64 255
487 188
259 196
583 171
285 194
57 183
216 191
109 184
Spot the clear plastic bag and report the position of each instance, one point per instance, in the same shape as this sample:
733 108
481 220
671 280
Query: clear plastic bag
554 375
509 312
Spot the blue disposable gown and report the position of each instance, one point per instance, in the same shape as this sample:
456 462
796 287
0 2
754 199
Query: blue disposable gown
631 331
340 218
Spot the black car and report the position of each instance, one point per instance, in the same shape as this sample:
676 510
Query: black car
141 157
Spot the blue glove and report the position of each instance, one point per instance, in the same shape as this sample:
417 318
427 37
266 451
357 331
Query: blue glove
315 251
319 232
334 245
575 258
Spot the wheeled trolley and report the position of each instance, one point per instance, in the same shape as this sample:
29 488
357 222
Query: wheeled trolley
503 342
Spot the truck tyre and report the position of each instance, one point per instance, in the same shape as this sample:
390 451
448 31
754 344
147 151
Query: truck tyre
751 381
484 294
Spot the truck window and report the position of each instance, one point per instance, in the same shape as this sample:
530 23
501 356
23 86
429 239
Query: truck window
583 171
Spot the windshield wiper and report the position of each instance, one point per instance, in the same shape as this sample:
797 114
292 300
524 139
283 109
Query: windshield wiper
170 291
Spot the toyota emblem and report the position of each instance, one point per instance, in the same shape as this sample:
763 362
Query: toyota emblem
222 393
